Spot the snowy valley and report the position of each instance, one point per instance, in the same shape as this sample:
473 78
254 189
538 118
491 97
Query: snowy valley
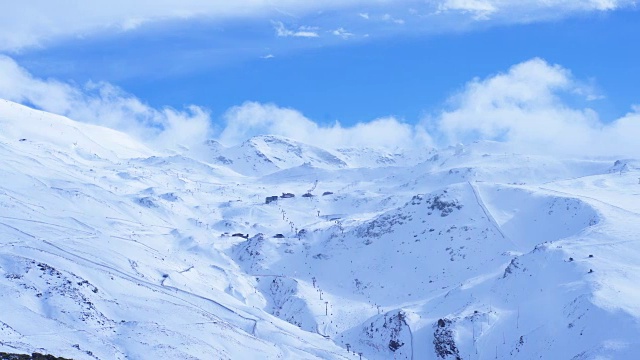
110 249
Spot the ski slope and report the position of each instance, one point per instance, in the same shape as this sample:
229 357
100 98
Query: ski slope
110 249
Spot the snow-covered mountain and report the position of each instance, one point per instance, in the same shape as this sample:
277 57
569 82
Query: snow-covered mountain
266 154
113 250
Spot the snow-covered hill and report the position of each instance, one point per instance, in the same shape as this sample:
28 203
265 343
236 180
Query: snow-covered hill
112 250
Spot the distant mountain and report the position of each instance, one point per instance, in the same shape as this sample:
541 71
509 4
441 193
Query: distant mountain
378 157
266 154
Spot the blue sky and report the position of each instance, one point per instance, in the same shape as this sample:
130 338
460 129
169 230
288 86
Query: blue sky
351 61
403 75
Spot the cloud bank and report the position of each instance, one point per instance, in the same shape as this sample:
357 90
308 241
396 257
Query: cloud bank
38 23
251 119
526 107
106 105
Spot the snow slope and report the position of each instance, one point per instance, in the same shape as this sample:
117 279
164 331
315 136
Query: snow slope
109 249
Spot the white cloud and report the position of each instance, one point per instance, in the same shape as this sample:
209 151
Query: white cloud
251 119
106 105
525 107
481 9
341 32
623 135
25 24
389 18
524 11
604 4
302 31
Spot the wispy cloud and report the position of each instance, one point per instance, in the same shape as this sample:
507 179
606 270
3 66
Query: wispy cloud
341 32
302 31
526 11
480 9
40 23
391 19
